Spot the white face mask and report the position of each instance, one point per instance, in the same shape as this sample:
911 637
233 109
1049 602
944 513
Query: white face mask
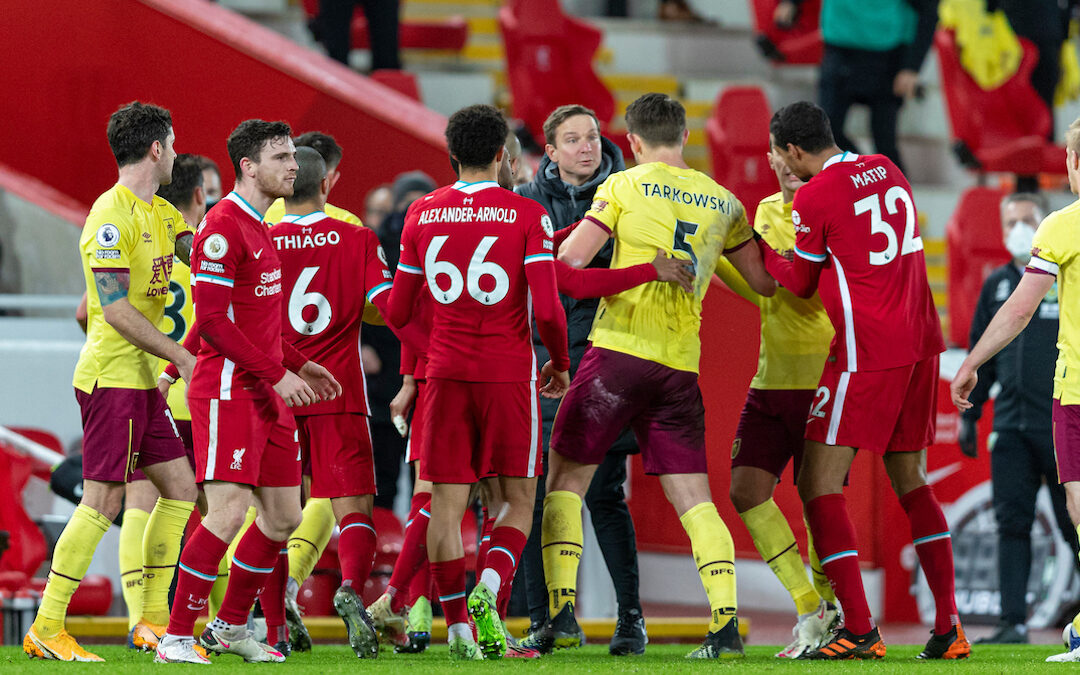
1018 243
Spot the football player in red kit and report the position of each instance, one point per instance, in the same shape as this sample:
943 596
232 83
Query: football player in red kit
857 242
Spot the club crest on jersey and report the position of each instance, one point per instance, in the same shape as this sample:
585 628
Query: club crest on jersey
382 255
598 205
215 247
796 219
108 235
545 222
237 459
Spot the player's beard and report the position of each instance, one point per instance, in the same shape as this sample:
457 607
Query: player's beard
273 186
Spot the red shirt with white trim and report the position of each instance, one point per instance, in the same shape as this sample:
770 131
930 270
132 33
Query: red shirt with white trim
330 270
485 255
857 219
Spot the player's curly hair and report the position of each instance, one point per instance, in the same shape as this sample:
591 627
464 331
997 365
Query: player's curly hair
475 134
323 143
186 176
133 129
657 119
803 124
248 138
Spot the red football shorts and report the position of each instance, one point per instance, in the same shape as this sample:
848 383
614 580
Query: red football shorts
342 463
771 429
252 441
892 410
1066 421
416 428
612 390
473 429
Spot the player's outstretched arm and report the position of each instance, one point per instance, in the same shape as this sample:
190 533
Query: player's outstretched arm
131 324
583 243
799 275
747 259
1007 323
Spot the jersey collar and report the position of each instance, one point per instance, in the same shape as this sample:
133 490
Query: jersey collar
308 219
840 157
473 188
244 205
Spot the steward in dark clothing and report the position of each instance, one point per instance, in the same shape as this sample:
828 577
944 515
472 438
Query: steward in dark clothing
1022 455
567 204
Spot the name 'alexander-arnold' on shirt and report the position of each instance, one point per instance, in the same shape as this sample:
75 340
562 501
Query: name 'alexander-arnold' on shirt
684 197
468 214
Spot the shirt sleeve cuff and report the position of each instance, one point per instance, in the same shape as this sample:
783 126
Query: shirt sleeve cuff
598 223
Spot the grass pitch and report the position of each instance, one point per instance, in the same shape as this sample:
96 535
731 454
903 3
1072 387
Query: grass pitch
666 658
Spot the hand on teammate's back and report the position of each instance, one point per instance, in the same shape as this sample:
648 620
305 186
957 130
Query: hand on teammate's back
675 270
321 381
294 390
554 382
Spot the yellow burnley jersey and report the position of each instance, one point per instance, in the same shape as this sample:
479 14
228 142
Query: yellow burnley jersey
179 315
124 233
276 212
683 212
1056 249
795 332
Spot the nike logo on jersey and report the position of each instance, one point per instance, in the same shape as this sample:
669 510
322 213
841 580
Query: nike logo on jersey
257 254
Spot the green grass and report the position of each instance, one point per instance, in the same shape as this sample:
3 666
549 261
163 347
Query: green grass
329 659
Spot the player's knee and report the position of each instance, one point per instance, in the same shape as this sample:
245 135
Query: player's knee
745 497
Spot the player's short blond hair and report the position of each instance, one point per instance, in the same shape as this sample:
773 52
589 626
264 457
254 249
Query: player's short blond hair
1072 136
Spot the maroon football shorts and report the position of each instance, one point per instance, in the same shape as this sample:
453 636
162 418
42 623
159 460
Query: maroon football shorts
252 441
1066 421
892 410
416 428
771 429
473 429
124 429
183 427
611 391
342 463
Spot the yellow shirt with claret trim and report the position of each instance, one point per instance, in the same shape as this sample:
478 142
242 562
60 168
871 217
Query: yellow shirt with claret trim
276 212
124 233
685 213
795 332
1056 250
179 315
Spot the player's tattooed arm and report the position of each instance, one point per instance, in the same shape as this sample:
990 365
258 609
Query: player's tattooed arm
112 285
183 247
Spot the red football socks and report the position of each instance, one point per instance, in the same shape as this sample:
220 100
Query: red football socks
835 543
195 577
449 578
272 599
413 550
503 558
356 549
930 534
485 542
252 565
420 585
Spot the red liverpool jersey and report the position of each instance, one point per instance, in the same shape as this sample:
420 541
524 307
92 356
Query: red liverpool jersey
236 282
472 244
330 268
858 218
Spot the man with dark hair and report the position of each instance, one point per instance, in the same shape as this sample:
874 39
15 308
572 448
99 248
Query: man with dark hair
211 180
577 160
641 369
484 252
246 377
127 249
857 237
323 259
331 154
1022 444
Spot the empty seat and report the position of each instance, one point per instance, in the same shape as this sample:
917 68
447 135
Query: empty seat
738 136
973 238
799 45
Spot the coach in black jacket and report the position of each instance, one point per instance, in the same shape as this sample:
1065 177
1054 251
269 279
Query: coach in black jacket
565 184
1022 454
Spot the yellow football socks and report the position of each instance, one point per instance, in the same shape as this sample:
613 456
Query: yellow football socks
309 539
71 558
161 551
776 543
821 580
561 540
714 554
131 562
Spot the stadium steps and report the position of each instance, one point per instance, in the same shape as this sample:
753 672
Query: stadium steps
331 629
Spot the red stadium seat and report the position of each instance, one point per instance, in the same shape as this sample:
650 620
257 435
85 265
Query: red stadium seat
1002 129
799 45
390 535
973 239
549 63
450 33
738 136
26 544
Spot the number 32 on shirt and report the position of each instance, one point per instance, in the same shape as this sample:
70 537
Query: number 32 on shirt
894 197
